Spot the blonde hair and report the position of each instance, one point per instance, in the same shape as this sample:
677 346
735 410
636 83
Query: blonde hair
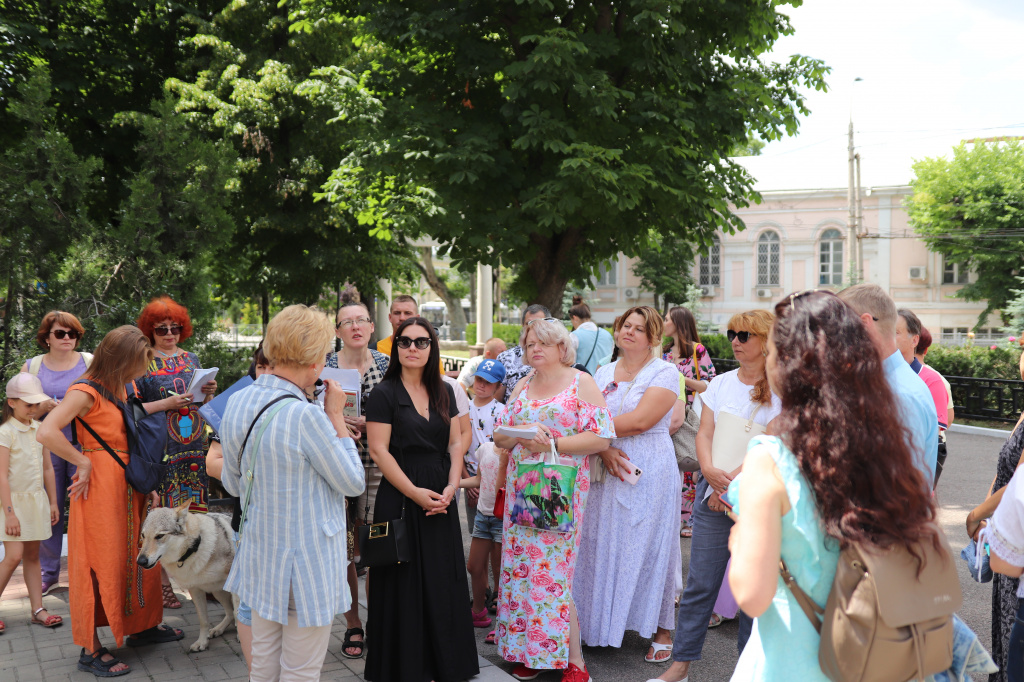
759 323
654 326
550 334
122 356
299 336
872 299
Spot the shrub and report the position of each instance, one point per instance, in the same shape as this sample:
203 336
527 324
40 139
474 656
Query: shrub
1001 362
233 362
509 333
718 345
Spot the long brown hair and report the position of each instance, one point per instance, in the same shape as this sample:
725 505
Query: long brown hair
118 359
841 421
437 391
686 335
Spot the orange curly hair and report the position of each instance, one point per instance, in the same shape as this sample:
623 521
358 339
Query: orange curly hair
160 309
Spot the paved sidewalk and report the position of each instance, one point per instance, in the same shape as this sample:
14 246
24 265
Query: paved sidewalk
30 653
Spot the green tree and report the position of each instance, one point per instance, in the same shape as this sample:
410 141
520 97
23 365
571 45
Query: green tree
554 134
270 84
1013 312
664 270
970 208
44 185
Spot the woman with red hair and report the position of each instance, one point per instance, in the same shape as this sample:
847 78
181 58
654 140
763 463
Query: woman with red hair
166 323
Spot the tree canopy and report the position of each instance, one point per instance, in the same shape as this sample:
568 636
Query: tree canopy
556 134
970 208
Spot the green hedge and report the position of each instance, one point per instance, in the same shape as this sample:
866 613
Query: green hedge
1001 362
718 345
509 333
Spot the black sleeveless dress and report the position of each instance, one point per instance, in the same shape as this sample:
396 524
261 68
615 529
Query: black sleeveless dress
419 626
1004 588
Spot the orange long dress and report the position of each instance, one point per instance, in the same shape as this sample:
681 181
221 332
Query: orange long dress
103 539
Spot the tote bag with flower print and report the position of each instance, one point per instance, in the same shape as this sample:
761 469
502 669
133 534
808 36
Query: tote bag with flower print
544 490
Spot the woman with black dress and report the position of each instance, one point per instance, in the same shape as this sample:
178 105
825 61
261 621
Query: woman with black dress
419 626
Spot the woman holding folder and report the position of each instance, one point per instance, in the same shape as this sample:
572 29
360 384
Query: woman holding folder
164 388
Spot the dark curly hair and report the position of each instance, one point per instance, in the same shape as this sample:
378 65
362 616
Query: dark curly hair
841 421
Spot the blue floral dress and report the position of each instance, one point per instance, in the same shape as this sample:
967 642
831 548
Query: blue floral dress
537 567
185 455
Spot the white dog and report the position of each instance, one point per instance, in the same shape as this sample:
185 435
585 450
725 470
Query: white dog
197 551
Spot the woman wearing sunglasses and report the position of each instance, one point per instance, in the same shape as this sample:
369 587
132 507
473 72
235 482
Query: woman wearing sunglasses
166 324
420 627
742 392
57 368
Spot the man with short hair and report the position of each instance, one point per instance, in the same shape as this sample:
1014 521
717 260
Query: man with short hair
908 338
512 359
493 347
878 315
402 308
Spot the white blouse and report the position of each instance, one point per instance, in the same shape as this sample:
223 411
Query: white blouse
1005 531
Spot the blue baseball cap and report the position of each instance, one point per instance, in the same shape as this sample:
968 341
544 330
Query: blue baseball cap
491 371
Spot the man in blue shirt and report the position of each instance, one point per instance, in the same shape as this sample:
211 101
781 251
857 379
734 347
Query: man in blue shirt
878 314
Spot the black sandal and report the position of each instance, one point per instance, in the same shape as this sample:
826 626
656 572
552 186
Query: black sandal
350 643
94 663
157 634
492 600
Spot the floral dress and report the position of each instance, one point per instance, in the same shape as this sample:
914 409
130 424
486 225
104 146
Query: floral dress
705 372
185 454
537 567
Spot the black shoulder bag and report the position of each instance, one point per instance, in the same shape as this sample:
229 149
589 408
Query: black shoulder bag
386 543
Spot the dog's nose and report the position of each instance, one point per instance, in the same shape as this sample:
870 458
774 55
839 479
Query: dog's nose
143 561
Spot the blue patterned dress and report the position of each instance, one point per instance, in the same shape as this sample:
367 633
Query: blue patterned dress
186 479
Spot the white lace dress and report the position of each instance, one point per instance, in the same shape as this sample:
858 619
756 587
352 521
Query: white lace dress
629 552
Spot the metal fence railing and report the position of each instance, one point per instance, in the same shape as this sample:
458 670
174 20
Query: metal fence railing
452 363
239 335
999 400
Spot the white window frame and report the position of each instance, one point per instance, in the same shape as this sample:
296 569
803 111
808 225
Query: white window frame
958 276
709 267
830 271
607 274
769 245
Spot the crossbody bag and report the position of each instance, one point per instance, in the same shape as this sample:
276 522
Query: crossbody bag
250 473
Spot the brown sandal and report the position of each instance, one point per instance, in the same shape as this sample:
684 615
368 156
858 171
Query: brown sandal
170 600
51 621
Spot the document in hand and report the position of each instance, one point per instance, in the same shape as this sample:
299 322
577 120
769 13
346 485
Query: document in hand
199 379
516 433
351 382
213 411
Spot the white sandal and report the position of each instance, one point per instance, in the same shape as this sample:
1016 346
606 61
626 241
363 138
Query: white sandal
657 649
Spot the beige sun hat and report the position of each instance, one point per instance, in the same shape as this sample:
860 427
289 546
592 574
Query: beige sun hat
26 387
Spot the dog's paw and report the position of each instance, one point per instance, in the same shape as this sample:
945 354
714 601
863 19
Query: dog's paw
217 631
201 644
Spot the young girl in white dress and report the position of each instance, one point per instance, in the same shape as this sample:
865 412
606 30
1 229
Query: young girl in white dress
28 500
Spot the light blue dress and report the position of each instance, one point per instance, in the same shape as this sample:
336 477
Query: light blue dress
784 644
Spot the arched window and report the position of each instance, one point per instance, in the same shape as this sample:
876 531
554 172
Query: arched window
710 266
830 258
768 259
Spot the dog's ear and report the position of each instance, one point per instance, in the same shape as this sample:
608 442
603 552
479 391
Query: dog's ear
181 512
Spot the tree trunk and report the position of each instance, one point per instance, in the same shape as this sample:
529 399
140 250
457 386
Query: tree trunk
371 305
264 310
546 270
455 314
8 320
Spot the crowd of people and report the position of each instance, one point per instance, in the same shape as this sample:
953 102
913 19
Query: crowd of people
563 449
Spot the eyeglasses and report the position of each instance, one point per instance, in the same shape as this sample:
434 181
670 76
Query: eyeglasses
546 319
164 331
742 336
423 342
348 324
61 334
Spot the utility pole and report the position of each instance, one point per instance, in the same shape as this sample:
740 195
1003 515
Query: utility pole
860 225
851 220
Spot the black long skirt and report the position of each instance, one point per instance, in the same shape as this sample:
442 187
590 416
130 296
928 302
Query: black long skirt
419 626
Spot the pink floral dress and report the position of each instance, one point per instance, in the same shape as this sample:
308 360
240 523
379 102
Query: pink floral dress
537 566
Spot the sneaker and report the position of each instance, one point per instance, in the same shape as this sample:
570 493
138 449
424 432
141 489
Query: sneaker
521 672
574 674
480 618
49 587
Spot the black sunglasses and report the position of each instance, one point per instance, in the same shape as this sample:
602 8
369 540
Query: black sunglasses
422 342
742 336
61 334
164 331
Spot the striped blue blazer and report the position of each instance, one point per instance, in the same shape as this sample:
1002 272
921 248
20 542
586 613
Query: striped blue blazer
294 536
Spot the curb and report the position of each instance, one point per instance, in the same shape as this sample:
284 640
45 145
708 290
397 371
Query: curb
979 431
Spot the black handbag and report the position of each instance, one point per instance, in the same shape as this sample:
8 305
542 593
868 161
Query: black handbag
386 543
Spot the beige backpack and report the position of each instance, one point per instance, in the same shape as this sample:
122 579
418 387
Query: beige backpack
37 361
882 622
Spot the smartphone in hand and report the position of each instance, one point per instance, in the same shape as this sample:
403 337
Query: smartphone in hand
632 474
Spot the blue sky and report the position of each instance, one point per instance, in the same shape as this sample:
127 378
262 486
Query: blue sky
933 73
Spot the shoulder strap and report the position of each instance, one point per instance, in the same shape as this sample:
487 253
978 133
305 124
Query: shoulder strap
255 449
597 335
394 420
256 419
34 364
810 609
102 390
696 365
87 357
106 395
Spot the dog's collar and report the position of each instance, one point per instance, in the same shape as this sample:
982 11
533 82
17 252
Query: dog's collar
190 551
